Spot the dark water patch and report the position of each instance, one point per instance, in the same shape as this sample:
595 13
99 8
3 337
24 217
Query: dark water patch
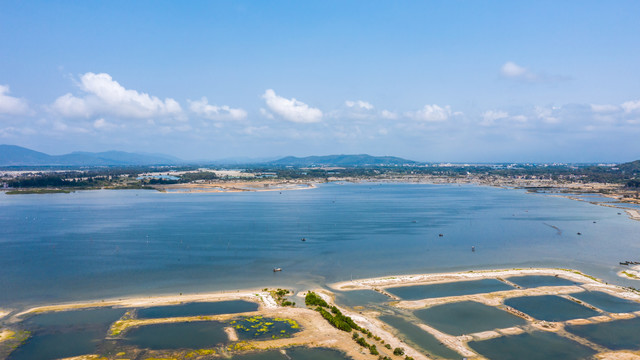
532 346
467 317
66 333
189 335
45 346
198 308
360 298
550 308
258 327
615 335
607 302
457 288
297 353
536 281
422 339
72 318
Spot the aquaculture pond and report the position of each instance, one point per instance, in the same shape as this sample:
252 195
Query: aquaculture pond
360 298
456 288
550 308
63 334
296 353
197 309
615 335
607 302
416 336
258 327
537 281
537 345
467 317
183 335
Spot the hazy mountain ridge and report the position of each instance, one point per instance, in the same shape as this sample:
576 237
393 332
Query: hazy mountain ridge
12 155
343 160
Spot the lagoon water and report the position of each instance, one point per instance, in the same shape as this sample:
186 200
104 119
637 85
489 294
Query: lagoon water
106 244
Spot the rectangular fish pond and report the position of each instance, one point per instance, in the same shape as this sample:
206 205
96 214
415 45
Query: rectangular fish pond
456 288
533 281
423 340
550 308
606 302
615 335
537 345
56 335
208 334
296 353
197 309
467 317
360 298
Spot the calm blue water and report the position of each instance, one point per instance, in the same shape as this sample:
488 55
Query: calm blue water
550 308
457 288
197 309
536 281
467 317
615 335
606 302
103 244
537 345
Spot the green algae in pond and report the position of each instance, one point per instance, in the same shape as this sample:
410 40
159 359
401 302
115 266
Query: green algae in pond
258 327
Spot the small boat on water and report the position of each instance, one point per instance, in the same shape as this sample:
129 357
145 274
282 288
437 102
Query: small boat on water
303 239
277 269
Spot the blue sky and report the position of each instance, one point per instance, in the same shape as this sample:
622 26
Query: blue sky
461 81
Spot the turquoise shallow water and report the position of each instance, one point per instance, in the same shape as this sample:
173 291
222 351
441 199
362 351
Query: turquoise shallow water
104 244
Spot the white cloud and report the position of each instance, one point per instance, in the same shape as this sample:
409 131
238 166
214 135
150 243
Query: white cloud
291 109
359 104
512 70
11 105
547 115
604 108
386 114
489 117
102 124
631 106
431 113
213 112
103 95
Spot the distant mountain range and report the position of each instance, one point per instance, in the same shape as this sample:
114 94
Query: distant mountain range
342 160
11 155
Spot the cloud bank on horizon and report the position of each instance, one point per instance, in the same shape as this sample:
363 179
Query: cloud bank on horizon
309 94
